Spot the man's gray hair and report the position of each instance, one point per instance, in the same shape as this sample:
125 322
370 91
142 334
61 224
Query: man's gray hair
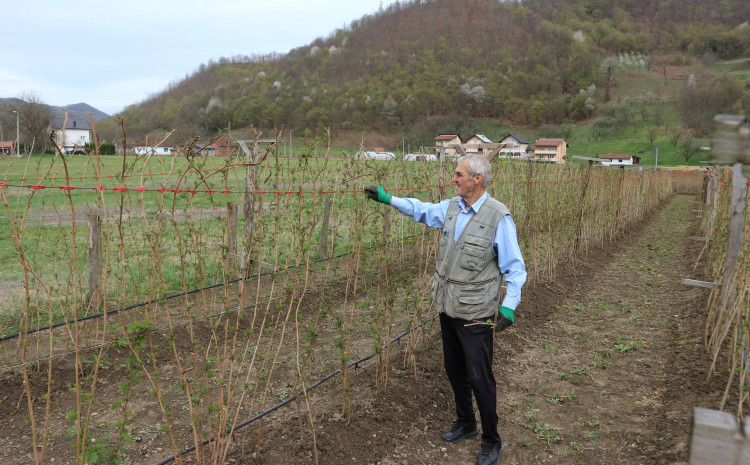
478 164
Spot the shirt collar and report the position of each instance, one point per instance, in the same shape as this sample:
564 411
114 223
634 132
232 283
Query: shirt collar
477 205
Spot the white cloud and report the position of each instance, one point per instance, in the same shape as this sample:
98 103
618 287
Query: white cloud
113 54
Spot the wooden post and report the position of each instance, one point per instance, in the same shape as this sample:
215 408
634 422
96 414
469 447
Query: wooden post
717 438
94 296
736 227
231 238
324 228
251 181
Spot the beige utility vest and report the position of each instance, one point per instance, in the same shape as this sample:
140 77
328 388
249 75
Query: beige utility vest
467 279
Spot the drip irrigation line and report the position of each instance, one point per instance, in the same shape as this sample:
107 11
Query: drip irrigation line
193 291
302 393
179 324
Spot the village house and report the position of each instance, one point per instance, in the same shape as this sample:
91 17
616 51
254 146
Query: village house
224 146
620 160
550 150
6 147
74 137
153 146
515 146
444 143
478 144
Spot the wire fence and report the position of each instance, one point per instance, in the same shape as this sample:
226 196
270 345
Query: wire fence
243 282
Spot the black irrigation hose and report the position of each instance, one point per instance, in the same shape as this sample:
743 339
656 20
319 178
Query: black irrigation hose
165 328
193 291
302 393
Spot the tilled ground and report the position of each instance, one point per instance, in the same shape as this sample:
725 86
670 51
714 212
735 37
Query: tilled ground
604 365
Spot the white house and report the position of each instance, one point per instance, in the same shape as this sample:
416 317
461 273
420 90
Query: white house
74 136
477 144
516 146
153 146
620 160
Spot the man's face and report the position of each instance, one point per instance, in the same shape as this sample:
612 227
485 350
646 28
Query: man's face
465 185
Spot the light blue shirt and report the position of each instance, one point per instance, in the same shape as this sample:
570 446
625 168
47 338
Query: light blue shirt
505 243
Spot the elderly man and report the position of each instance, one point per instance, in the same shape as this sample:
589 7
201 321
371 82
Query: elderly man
478 247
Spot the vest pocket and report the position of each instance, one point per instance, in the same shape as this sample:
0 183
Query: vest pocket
469 300
474 253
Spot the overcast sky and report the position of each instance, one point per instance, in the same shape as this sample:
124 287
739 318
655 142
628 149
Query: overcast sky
111 54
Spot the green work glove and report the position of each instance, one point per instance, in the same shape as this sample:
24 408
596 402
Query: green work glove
379 194
506 318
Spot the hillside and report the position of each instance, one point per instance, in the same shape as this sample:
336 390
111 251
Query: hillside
81 109
537 62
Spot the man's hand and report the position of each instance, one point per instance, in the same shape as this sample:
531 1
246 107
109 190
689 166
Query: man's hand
506 318
379 194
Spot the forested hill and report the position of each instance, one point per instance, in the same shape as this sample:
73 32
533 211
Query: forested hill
535 61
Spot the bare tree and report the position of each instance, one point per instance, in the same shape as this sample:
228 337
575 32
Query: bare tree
688 148
34 119
658 113
674 133
652 133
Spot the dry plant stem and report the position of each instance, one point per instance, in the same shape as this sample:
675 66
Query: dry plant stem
103 286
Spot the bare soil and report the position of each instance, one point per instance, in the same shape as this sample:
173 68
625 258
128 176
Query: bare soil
603 365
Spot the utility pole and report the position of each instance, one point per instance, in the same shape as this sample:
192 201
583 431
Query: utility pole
18 139
657 158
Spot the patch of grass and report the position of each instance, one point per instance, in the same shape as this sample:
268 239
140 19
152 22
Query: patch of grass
569 374
601 360
622 346
560 399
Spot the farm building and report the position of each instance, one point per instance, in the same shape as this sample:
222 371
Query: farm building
153 146
550 150
516 146
620 160
73 135
6 147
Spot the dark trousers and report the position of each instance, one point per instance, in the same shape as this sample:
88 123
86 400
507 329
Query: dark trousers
467 353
